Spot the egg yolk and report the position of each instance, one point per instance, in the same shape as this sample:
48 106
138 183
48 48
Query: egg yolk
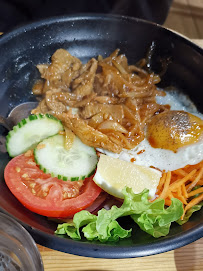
174 129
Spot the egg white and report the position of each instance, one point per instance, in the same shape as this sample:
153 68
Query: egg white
161 158
144 154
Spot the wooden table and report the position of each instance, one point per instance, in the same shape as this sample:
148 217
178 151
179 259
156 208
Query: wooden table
186 17
188 258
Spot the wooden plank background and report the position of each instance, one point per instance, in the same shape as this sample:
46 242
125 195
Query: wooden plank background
188 258
186 17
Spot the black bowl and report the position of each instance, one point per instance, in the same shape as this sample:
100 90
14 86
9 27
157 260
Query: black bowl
85 37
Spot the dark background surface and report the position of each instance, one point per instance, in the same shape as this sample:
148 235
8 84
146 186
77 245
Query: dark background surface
17 12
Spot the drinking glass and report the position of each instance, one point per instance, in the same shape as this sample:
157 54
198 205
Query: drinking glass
18 251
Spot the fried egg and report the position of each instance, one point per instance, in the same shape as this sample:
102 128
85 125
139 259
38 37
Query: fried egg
173 139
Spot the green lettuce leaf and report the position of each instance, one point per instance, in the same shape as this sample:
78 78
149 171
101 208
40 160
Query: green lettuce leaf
152 217
156 220
72 229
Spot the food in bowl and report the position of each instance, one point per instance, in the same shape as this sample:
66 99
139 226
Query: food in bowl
149 154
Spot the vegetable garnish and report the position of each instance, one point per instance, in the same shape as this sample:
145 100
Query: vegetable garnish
30 131
76 163
152 217
194 195
188 214
180 184
46 195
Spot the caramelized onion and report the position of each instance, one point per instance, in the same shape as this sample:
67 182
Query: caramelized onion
110 125
69 138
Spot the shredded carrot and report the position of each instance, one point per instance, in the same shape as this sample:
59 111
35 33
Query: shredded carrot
167 202
191 167
161 182
184 191
170 195
195 192
192 185
180 172
178 183
200 182
181 197
166 185
179 191
193 202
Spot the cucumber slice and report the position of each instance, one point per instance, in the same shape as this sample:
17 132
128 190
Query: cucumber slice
30 131
74 164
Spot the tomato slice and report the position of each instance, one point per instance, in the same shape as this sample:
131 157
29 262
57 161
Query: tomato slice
45 195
